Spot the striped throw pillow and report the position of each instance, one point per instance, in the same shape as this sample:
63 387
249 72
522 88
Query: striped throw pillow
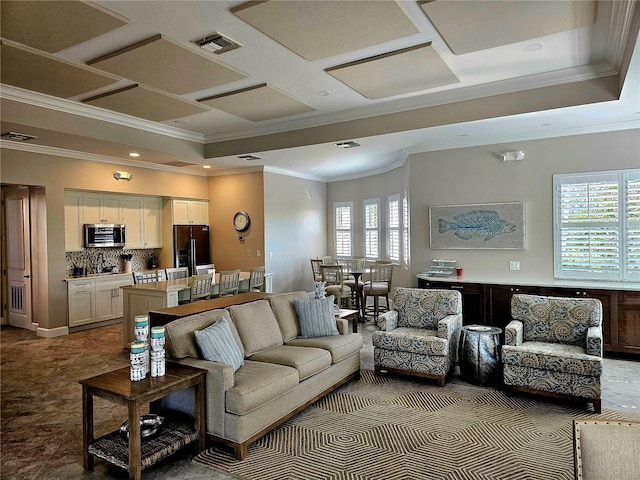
217 344
316 317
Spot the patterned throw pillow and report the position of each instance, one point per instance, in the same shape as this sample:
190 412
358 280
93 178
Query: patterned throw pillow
316 317
217 344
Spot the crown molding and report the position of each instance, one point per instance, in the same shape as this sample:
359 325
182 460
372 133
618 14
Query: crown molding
42 100
532 82
61 152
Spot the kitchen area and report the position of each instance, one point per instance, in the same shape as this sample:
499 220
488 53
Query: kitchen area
108 236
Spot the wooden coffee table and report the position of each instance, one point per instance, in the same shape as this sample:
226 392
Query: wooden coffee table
116 386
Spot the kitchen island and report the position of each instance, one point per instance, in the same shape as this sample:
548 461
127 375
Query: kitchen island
142 298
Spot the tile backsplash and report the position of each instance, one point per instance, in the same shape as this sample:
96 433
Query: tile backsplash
90 259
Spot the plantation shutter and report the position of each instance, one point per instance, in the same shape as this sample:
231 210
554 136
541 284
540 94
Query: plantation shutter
371 227
633 228
343 229
597 230
394 228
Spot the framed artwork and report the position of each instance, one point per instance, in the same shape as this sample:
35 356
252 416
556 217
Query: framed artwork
483 225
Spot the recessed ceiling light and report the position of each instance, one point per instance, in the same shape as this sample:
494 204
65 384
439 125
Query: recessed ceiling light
464 134
545 124
206 166
179 122
249 157
349 144
323 93
533 47
134 154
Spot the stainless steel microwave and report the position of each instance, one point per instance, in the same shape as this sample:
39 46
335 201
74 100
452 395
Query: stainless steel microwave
103 235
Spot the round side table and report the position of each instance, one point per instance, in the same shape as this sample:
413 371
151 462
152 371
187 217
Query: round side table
480 354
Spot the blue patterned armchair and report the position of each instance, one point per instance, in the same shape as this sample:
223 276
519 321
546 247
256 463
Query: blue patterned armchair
553 346
420 334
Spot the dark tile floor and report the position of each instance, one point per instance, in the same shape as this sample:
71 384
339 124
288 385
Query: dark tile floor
41 407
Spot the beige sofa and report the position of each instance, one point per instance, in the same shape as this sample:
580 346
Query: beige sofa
282 373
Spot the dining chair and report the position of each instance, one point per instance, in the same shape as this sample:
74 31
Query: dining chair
333 276
203 269
149 276
177 272
378 285
229 283
201 287
315 269
256 280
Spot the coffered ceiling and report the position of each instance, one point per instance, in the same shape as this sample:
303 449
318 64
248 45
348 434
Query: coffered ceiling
100 79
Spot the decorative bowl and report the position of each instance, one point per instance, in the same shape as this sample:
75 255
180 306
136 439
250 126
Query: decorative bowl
150 425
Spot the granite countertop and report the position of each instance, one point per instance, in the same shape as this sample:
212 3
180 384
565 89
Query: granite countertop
539 282
71 278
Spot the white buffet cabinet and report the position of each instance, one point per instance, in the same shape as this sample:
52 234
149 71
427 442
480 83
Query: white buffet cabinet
96 298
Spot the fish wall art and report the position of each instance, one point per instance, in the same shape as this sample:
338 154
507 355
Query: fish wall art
492 225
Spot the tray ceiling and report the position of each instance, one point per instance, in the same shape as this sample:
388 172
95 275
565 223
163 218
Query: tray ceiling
308 74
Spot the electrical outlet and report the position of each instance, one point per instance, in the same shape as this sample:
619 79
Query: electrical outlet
257 253
248 252
514 265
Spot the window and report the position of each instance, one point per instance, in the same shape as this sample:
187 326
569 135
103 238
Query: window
597 225
393 240
372 228
405 229
343 222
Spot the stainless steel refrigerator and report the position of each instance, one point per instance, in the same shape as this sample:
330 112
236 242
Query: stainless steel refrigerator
191 246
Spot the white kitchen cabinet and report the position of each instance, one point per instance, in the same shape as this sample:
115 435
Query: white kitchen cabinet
190 212
102 208
152 222
109 297
73 220
96 299
81 302
133 217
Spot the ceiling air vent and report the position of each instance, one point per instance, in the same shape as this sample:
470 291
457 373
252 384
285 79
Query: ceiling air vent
216 43
250 157
349 144
17 137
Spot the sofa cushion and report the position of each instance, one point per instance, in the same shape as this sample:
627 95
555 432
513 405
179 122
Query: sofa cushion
339 346
180 338
256 325
285 313
316 317
306 360
218 344
257 383
414 340
554 357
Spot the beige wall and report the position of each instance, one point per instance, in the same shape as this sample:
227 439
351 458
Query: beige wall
56 174
475 175
295 229
228 194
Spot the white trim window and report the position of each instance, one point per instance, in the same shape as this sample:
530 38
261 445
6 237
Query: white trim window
393 230
343 226
371 215
597 225
406 240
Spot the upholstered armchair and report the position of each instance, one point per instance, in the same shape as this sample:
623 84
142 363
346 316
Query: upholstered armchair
420 334
553 346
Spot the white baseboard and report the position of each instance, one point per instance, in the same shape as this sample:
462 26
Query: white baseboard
52 332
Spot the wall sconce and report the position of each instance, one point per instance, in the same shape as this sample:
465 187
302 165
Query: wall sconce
123 176
511 156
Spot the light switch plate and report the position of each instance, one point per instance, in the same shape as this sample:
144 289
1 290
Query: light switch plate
514 265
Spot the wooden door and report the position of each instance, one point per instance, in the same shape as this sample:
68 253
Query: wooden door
18 256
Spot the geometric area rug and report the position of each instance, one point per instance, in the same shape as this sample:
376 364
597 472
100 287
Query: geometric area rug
396 427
